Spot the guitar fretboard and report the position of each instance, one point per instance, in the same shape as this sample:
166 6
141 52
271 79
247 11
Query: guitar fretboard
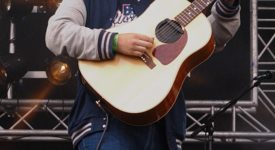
192 11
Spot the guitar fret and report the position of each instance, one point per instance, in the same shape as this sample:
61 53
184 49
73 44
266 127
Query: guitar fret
201 3
195 8
206 2
184 16
188 17
181 20
190 12
186 20
200 6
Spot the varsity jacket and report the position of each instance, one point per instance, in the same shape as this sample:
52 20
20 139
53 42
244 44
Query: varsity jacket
78 29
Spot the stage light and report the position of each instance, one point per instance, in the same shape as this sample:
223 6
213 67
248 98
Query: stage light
12 67
60 70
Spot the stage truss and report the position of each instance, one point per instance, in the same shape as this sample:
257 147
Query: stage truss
18 117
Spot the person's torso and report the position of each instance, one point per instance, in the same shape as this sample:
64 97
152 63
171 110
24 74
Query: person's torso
110 13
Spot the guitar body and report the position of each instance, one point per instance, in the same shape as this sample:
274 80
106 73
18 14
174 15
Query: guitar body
136 93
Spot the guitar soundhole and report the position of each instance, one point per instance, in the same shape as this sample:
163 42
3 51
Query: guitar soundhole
168 31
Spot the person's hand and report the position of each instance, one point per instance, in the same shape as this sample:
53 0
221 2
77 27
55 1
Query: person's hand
133 44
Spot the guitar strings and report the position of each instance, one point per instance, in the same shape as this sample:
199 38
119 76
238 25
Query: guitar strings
167 30
171 32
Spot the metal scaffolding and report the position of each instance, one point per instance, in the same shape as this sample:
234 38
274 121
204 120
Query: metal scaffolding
254 127
17 116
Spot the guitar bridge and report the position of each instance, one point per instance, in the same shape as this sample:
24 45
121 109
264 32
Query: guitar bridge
148 60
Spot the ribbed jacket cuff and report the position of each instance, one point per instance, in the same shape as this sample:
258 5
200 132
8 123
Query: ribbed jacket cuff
105 45
225 10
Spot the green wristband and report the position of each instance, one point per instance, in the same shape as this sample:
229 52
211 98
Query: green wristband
115 43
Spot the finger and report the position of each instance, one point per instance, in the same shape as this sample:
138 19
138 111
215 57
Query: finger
137 53
145 38
144 43
141 49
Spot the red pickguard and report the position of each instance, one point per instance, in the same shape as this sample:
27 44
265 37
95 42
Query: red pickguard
166 53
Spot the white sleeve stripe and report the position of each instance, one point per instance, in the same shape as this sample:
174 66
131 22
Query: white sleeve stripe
102 45
80 135
81 129
107 45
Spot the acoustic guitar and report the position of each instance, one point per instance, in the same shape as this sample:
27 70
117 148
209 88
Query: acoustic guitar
140 91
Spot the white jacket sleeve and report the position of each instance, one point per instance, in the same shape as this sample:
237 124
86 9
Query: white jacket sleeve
225 23
66 33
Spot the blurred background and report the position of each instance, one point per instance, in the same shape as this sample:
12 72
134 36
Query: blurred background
37 88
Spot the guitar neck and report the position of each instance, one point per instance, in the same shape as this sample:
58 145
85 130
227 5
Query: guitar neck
192 11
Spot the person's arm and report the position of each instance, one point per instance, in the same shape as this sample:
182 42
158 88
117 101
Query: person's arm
66 33
225 21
